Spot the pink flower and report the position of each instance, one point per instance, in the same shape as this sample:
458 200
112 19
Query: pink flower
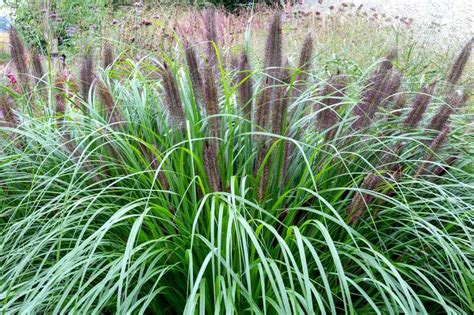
11 77
13 81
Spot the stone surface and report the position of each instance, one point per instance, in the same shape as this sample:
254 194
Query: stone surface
438 19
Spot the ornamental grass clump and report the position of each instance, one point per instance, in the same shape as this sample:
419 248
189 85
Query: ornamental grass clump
216 190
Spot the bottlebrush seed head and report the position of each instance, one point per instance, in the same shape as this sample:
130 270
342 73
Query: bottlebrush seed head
87 74
107 55
245 87
17 52
460 63
419 105
172 98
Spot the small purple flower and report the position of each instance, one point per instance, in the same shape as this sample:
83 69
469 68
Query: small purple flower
71 30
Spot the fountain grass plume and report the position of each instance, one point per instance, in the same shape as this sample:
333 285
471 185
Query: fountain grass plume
245 87
387 61
459 64
304 65
306 55
112 111
211 100
274 46
434 148
172 98
60 102
37 67
211 35
419 105
361 199
280 106
390 87
399 104
440 170
107 55
18 54
87 74
210 165
262 105
454 101
6 106
326 110
438 142
10 120
372 95
273 62
194 73
279 111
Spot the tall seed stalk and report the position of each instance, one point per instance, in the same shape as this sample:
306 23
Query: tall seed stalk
214 124
419 106
434 148
273 63
86 75
304 65
172 98
362 200
245 87
372 95
459 64
194 73
38 69
211 35
327 110
112 111
66 138
107 55
18 54
453 101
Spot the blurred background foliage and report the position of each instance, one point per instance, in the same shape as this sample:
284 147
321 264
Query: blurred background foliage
68 22
61 21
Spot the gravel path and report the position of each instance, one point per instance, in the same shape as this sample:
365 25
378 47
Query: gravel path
439 19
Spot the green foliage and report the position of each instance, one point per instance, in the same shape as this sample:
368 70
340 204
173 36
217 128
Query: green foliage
4 57
29 23
100 226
